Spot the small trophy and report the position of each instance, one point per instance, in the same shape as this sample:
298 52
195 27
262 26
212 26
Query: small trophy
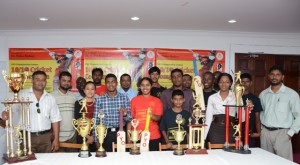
14 136
196 131
239 89
16 82
101 131
134 136
179 136
84 126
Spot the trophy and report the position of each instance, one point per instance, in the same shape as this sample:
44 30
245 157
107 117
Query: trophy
101 131
179 136
196 131
239 89
16 82
19 136
134 136
84 126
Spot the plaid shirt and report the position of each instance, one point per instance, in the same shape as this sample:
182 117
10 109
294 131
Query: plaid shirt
111 108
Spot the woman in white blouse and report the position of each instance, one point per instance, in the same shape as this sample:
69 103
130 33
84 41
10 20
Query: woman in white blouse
215 113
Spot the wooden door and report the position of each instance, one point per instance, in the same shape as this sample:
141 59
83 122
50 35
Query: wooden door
258 66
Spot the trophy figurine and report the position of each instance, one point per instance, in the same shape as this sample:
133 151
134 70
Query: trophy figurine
179 136
239 89
101 132
84 126
134 136
16 82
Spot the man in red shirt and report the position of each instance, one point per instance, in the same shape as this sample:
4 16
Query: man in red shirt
97 75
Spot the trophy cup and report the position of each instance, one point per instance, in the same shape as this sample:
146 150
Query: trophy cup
16 82
84 126
179 136
101 131
196 131
134 136
18 135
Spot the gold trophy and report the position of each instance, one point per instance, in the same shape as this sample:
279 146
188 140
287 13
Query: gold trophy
179 136
239 89
101 132
18 135
84 126
134 137
16 82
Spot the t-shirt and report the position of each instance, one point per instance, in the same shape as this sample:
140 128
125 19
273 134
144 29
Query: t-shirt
168 124
139 107
100 90
156 91
207 94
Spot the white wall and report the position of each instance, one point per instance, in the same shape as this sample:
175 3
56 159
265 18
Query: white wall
231 42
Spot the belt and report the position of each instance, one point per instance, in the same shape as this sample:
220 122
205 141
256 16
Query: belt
220 119
273 128
40 132
112 129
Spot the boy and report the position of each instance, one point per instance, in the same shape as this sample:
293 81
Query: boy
168 121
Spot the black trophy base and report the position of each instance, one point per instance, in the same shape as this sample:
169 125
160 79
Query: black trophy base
134 152
178 152
239 151
11 160
101 154
84 154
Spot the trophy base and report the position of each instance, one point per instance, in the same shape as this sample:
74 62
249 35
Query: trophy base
178 152
11 160
84 154
240 151
100 154
134 152
196 151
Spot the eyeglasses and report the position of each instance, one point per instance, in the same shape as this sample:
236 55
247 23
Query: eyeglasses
38 107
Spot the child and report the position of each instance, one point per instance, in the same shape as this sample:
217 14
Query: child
168 121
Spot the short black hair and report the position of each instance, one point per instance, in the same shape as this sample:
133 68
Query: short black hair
277 67
226 75
65 73
188 76
123 75
177 70
89 82
246 75
97 70
39 72
111 75
154 69
177 92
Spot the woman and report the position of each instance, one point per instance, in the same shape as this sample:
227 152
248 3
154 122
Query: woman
215 113
139 107
89 92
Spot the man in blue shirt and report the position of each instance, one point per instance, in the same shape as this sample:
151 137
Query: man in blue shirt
125 82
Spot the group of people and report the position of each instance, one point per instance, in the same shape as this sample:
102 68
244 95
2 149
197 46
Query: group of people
274 118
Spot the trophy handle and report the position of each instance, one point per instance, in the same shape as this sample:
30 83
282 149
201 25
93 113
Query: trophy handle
5 76
129 132
25 78
184 133
92 124
74 123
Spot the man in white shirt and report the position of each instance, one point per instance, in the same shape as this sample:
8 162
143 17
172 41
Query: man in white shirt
66 101
125 82
44 114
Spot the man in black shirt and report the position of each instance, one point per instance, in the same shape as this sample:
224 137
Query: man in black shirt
154 74
208 83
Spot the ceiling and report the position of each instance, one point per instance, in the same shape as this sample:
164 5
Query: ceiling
272 16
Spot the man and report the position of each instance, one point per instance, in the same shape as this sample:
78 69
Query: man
208 83
125 82
166 96
80 83
254 125
187 81
97 75
65 101
112 103
156 89
280 116
44 114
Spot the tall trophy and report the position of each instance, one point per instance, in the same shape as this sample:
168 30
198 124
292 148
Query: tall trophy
84 126
19 136
134 137
16 82
179 136
238 93
196 130
101 132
